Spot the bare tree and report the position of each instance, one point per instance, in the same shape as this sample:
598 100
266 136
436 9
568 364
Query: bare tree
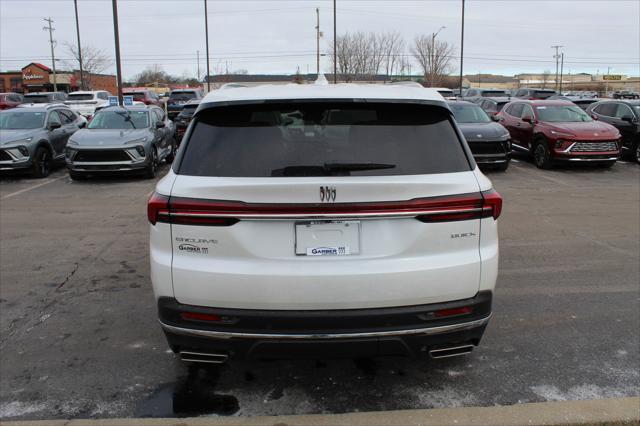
434 57
154 74
94 61
362 55
392 45
546 76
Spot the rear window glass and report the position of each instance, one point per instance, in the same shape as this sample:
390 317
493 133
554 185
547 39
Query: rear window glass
320 139
494 93
182 96
540 94
36 99
80 97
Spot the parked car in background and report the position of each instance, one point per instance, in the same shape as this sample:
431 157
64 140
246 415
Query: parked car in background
179 97
492 106
10 100
184 118
473 94
445 92
122 139
32 139
625 94
44 98
552 131
86 102
624 115
582 102
532 94
147 97
489 141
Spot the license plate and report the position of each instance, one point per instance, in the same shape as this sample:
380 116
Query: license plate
328 238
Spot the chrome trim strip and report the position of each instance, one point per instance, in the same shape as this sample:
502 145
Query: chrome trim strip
102 163
434 352
592 159
245 216
428 331
519 147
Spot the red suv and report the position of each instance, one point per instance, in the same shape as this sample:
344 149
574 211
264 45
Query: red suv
148 97
10 100
553 131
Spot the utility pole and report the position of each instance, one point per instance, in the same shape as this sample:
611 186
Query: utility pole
557 58
198 59
53 57
317 42
561 71
206 35
462 48
116 34
82 86
335 46
433 56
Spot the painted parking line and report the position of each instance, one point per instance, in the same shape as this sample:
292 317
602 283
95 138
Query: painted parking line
22 191
515 161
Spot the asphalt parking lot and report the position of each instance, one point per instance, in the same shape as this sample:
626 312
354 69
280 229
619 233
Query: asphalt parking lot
79 337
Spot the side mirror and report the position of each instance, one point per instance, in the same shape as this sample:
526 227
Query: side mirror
54 125
160 124
627 118
82 125
527 119
495 118
594 116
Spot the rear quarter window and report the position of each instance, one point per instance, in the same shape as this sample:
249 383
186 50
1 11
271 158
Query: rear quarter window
322 139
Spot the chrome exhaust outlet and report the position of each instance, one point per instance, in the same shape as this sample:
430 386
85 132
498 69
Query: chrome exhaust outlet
211 358
450 351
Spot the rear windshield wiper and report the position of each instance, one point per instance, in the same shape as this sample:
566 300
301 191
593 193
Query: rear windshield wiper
329 169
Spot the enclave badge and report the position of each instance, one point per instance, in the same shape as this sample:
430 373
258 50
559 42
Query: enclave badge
327 194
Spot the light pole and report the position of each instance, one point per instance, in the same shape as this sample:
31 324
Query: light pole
433 55
462 48
206 35
116 34
53 57
75 5
335 44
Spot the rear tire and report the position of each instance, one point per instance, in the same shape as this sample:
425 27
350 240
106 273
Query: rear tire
541 154
41 163
152 168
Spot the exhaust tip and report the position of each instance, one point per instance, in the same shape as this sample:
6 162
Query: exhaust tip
450 351
204 357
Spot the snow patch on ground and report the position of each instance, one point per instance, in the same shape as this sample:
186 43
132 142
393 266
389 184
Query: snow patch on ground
445 398
18 408
553 393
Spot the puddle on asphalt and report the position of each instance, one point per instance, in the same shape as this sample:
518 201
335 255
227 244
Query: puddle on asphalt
191 395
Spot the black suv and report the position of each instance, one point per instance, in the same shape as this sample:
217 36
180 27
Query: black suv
178 99
533 94
625 116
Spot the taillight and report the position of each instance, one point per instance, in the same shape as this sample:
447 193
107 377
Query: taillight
157 208
200 317
453 312
492 201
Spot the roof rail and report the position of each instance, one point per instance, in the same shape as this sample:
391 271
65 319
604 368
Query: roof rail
233 86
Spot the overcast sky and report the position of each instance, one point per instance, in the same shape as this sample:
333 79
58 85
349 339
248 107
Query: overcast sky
502 37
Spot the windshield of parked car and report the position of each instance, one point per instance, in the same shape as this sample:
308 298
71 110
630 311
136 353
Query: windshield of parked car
494 93
36 99
469 114
12 120
120 119
323 139
562 113
80 97
182 96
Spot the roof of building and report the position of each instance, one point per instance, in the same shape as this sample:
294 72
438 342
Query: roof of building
324 91
39 65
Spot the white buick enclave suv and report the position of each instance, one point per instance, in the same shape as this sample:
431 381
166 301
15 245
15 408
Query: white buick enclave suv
323 221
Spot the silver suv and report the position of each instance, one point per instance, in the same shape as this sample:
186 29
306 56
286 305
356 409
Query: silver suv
32 138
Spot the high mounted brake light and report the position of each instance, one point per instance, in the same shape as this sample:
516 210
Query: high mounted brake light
188 211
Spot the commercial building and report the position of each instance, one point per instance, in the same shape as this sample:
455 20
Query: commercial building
37 77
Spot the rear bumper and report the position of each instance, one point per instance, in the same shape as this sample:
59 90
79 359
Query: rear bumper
407 331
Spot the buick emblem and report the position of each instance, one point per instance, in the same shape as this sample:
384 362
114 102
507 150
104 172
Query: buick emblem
327 194
595 134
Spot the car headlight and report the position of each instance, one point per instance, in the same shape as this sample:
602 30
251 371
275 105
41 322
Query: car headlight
72 142
562 135
20 141
139 140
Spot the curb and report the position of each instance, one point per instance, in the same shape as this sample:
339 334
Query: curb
613 412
